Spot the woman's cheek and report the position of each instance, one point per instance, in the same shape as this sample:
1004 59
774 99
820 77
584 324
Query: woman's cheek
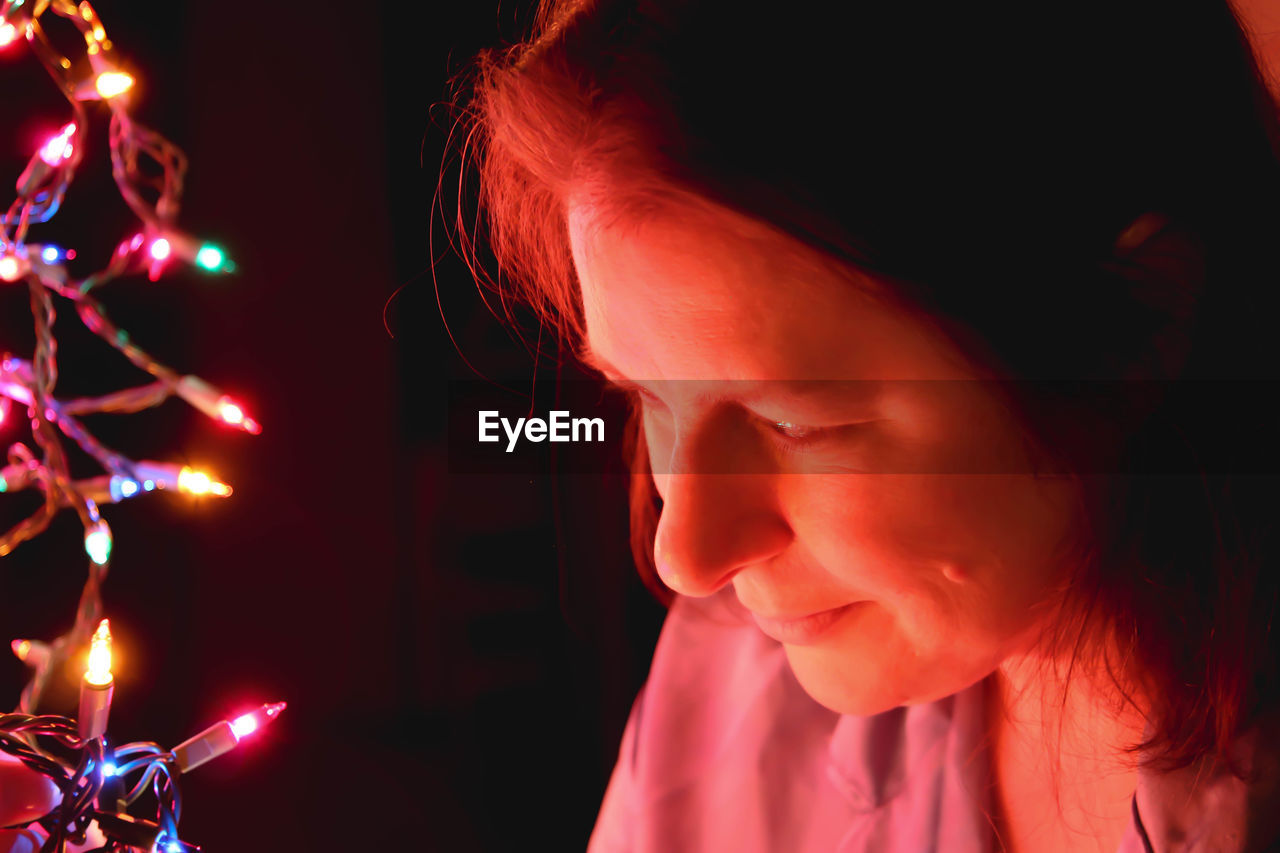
884 515
888 538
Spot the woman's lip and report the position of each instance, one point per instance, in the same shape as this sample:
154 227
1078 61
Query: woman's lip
803 631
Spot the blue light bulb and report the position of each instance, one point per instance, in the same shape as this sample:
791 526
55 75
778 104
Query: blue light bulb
123 487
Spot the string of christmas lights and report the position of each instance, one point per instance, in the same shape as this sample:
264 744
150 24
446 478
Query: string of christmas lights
121 797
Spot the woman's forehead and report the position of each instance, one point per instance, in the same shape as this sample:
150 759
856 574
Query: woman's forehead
684 295
696 298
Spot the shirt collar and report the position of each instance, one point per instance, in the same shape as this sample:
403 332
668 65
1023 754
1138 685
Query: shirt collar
874 759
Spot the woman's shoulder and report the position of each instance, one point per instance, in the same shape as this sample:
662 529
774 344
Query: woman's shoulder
1207 806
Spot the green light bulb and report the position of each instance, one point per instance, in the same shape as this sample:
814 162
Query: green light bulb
212 258
97 542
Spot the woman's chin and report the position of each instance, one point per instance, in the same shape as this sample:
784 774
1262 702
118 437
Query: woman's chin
832 683
880 683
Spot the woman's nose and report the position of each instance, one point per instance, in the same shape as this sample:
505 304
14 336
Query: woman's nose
715 523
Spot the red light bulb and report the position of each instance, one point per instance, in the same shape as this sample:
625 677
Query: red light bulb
247 724
230 412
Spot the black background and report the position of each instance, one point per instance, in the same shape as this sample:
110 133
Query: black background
459 653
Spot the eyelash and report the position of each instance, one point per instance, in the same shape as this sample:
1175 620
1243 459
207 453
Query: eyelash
808 435
784 431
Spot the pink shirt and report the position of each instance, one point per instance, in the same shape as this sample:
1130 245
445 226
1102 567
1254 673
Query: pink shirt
725 752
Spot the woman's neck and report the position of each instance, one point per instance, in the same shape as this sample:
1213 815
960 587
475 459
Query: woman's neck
1062 778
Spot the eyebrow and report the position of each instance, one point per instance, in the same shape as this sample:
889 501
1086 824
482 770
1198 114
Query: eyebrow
804 388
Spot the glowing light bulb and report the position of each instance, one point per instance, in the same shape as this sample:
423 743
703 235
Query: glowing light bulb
111 84
222 737
97 542
8 34
210 257
230 412
99 671
97 687
108 489
12 266
31 652
215 404
195 482
161 250
243 725
247 724
59 147
123 487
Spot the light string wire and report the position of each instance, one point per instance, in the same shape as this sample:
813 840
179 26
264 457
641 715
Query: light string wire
149 172
84 784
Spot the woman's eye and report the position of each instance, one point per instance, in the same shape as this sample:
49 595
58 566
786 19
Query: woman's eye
797 434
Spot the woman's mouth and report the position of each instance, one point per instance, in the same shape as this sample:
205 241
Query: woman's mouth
803 630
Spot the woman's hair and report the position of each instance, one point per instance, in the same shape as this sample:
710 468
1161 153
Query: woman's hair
1085 191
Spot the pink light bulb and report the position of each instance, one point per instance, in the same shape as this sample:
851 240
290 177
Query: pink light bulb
247 724
59 148
160 249
243 725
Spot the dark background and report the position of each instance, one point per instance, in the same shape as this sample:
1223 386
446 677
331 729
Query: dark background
459 652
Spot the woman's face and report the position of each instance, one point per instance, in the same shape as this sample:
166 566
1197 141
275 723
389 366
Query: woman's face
802 462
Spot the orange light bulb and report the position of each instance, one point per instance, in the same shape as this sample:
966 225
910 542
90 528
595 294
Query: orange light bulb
195 482
111 84
11 267
99 671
